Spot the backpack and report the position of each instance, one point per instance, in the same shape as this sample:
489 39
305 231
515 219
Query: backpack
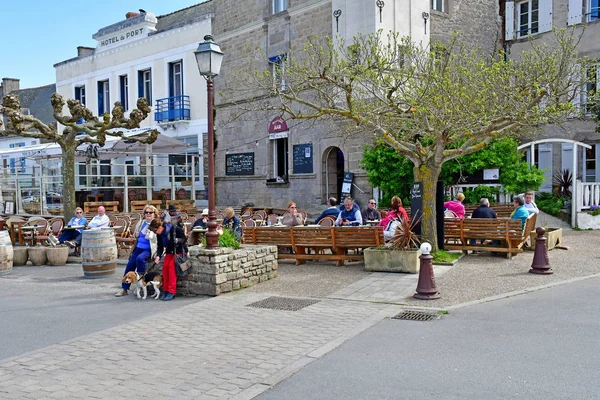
390 228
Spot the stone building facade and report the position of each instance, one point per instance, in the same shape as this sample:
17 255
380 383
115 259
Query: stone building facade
573 14
306 162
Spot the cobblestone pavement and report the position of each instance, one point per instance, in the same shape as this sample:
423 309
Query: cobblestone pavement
220 348
211 349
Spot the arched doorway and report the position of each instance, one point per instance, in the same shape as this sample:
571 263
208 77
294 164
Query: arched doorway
333 172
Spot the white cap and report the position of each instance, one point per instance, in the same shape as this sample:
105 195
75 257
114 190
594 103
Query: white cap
205 211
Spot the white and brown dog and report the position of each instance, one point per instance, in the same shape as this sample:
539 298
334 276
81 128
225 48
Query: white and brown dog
139 283
156 282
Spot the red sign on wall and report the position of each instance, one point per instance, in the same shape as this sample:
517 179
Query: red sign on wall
278 125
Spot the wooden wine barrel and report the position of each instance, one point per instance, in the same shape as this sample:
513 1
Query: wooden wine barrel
6 253
98 253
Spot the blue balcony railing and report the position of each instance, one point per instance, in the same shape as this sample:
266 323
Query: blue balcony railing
174 108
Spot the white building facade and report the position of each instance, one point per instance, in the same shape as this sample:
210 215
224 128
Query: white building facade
150 57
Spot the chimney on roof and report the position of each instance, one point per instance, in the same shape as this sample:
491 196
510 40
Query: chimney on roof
8 86
131 14
84 51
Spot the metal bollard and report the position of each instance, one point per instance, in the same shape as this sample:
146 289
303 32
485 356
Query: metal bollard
540 264
426 289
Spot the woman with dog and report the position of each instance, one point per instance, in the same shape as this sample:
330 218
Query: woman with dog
172 240
145 247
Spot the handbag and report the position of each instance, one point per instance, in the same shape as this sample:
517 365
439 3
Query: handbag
182 264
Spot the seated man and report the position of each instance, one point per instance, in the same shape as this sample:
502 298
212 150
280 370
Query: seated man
371 213
72 237
530 205
167 215
99 221
350 216
520 211
484 210
201 222
331 210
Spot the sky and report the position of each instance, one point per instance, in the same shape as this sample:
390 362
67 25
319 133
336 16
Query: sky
36 34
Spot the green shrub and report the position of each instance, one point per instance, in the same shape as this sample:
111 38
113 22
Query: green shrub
227 239
550 203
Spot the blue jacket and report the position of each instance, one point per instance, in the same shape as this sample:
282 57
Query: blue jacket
520 213
331 211
82 222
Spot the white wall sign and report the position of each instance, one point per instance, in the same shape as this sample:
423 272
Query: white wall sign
491 174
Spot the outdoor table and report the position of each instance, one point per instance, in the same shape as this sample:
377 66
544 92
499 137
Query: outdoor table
196 234
72 227
372 222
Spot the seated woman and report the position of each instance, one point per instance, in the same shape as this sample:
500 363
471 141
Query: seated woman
456 205
292 217
396 215
232 222
72 237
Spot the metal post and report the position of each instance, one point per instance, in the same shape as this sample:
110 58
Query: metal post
532 154
212 236
574 193
193 194
126 191
172 168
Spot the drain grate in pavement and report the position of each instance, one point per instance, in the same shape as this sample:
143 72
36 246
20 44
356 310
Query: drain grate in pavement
415 315
283 303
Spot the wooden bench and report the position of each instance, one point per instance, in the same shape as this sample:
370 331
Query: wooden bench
92 206
182 205
301 238
506 234
138 205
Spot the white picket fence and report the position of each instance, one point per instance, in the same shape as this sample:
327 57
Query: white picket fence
588 194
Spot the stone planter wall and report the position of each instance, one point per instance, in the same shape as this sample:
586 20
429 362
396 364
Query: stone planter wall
390 260
222 270
586 220
553 238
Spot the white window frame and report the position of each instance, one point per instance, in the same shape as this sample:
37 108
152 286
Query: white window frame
278 71
594 175
124 91
589 11
81 90
438 5
276 143
105 96
589 87
146 75
521 33
279 6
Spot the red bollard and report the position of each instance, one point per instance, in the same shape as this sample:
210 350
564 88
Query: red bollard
426 289
540 264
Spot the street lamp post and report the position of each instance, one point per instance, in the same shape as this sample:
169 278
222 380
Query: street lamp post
209 58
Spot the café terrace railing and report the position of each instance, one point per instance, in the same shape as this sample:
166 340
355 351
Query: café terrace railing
33 190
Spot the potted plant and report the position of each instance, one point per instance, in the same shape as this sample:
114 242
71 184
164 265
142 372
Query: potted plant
57 255
400 254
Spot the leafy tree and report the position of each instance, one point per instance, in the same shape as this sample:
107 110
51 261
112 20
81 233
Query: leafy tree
431 105
393 172
95 131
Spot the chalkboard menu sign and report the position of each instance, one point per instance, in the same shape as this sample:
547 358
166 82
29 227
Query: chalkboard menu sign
303 158
239 164
416 204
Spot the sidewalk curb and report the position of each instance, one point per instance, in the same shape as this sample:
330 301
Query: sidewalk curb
519 292
274 379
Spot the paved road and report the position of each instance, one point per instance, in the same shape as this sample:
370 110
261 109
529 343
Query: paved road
541 345
40 306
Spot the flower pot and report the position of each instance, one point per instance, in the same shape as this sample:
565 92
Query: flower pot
553 238
57 255
37 255
6 253
392 260
20 256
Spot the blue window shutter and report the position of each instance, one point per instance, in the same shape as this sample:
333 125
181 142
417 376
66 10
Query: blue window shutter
12 146
140 84
100 99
